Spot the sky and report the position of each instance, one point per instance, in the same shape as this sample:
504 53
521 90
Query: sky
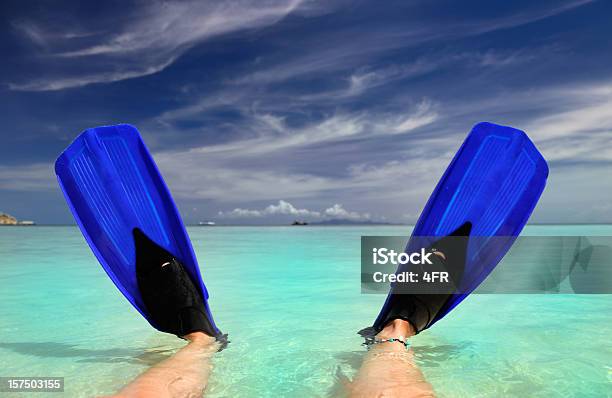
262 112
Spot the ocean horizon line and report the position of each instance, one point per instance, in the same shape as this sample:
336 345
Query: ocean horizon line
307 225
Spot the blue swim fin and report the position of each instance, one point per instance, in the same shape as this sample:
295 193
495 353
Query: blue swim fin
489 190
116 193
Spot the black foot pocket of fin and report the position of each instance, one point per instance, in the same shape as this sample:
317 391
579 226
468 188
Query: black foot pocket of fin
170 296
421 309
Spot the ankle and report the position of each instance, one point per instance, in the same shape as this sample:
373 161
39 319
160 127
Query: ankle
397 328
199 338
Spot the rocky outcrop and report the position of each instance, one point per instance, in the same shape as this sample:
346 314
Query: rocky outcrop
7 219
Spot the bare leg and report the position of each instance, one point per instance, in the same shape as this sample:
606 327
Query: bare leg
389 370
185 374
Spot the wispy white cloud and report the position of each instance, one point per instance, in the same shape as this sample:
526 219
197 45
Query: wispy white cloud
249 100
521 18
171 25
61 83
328 55
340 120
157 35
272 134
31 31
498 59
361 81
44 37
216 177
423 115
573 122
580 134
580 109
35 177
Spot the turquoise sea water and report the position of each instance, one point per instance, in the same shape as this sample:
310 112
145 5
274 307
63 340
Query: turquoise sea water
290 299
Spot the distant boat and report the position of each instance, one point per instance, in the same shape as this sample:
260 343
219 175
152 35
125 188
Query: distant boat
296 222
207 223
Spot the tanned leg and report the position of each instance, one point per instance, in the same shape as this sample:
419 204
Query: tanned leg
389 369
185 374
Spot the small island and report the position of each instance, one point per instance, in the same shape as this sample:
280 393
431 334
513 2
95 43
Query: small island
296 222
345 222
7 219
